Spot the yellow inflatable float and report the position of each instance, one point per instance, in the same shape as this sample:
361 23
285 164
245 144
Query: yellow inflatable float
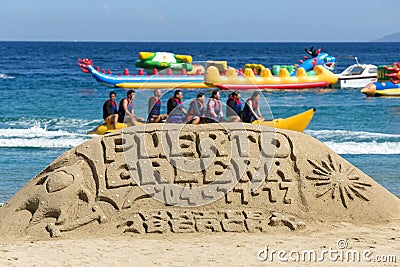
249 81
297 123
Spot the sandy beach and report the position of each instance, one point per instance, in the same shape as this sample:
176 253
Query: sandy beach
310 207
378 242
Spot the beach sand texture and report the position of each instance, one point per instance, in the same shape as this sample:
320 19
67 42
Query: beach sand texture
164 193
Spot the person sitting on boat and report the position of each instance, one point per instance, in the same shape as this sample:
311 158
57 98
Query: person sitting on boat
234 107
214 111
175 109
126 111
251 110
154 108
110 110
197 110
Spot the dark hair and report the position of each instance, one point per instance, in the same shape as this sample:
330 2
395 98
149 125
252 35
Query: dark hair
234 94
113 93
177 92
255 94
130 92
214 93
200 95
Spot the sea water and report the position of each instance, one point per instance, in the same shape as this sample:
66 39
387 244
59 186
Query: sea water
47 104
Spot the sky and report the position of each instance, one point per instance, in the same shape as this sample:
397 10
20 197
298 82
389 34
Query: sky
198 20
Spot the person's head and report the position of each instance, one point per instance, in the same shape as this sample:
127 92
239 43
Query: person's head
130 94
255 96
157 93
235 94
215 94
178 94
113 95
201 97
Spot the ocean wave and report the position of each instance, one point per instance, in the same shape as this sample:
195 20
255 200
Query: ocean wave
5 76
358 142
362 148
38 137
355 136
50 123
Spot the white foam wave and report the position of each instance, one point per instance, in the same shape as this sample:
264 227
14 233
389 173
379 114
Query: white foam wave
53 122
5 76
358 142
326 134
37 137
362 148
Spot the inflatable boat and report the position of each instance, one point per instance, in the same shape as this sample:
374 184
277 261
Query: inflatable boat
381 89
308 64
391 88
249 81
164 60
318 58
297 123
141 80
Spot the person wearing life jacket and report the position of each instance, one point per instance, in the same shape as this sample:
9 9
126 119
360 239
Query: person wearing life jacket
251 110
126 112
154 108
175 109
197 110
110 110
214 111
234 107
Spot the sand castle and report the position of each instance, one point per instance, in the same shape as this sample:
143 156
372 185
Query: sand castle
195 178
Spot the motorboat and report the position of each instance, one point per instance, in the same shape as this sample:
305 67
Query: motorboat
357 75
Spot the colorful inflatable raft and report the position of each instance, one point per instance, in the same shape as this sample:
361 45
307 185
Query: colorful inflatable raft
249 81
381 89
391 88
297 123
140 80
308 64
164 60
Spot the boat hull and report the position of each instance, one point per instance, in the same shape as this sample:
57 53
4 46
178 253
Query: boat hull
355 82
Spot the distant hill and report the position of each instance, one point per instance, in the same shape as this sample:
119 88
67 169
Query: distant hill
394 37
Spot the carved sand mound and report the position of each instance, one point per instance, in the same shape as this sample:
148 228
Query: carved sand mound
195 178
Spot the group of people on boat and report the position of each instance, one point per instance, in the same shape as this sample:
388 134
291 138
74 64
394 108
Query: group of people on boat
200 110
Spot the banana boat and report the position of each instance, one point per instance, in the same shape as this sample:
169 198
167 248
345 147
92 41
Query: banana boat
297 123
249 81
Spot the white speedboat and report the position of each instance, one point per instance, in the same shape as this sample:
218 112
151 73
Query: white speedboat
357 75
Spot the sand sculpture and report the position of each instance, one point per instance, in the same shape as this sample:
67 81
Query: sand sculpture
195 178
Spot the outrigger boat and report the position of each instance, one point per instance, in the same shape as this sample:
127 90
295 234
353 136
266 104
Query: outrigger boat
297 123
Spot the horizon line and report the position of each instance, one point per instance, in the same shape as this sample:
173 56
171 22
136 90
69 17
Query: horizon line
195 41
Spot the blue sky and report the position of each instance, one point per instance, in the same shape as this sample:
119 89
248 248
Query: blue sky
198 20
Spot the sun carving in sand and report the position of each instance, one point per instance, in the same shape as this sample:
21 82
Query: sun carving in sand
337 181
